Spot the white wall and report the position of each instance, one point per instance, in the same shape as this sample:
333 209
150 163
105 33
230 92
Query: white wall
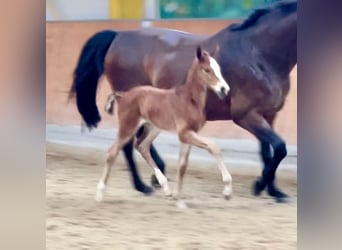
76 10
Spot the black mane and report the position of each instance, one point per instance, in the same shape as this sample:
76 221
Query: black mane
251 20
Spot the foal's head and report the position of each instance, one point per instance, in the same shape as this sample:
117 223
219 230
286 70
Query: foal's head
209 73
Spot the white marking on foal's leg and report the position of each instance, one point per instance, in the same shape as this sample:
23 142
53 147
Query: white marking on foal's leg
112 154
101 187
227 180
162 181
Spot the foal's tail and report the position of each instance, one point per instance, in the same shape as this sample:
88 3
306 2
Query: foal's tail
109 108
88 71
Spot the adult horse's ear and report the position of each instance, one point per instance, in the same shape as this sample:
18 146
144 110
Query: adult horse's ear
199 53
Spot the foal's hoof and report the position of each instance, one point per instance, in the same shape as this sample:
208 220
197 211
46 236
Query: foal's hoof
167 191
146 190
227 197
101 187
227 193
258 187
181 204
154 182
99 196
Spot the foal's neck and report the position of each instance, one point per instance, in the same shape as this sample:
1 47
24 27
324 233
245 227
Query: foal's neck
195 89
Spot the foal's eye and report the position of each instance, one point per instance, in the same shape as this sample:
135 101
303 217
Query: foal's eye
207 70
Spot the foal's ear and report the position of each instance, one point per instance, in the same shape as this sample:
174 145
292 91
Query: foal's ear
199 53
216 52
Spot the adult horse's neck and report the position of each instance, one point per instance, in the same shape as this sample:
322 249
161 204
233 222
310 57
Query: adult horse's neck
268 35
196 91
276 42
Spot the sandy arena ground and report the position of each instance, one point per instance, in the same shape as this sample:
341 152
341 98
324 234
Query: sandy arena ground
129 220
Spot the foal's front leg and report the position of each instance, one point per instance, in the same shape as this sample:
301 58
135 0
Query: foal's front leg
144 148
184 151
191 137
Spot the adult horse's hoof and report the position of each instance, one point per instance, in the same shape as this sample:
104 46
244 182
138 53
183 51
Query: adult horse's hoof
154 182
144 189
282 199
278 195
258 187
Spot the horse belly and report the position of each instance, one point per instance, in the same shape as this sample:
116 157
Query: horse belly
160 118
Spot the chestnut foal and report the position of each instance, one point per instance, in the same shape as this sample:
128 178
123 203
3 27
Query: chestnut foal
180 110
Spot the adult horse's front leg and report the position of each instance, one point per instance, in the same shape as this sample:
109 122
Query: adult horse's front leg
258 125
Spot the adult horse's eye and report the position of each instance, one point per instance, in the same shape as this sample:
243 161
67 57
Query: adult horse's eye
207 70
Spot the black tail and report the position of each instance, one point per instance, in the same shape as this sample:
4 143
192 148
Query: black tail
87 73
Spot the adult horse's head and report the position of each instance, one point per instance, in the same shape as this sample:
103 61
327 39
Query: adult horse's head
209 72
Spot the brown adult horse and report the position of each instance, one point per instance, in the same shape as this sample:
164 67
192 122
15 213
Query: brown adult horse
257 55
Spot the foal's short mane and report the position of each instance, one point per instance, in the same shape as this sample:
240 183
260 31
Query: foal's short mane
251 20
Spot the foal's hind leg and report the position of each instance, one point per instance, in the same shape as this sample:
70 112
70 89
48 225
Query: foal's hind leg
124 135
111 157
191 137
140 135
144 148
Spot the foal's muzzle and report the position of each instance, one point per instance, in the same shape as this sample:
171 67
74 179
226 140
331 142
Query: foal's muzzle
222 92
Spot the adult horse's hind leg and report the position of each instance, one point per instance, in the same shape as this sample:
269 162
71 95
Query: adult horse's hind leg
191 137
138 183
267 157
257 125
